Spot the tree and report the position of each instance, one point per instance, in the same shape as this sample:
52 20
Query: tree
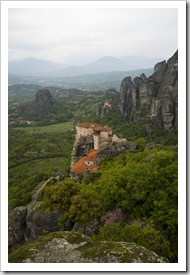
58 197
145 235
85 206
141 142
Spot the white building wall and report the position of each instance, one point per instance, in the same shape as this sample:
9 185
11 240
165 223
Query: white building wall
83 132
96 141
103 135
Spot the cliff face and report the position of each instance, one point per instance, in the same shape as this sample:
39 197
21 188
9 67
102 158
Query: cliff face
154 98
29 223
17 225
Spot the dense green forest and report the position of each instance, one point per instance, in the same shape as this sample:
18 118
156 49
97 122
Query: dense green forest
137 192
36 156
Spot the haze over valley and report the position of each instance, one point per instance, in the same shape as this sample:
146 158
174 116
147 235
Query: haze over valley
32 66
103 73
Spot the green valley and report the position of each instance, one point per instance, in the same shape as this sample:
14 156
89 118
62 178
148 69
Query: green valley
131 197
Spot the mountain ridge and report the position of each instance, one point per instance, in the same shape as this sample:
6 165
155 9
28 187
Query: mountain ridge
103 64
33 65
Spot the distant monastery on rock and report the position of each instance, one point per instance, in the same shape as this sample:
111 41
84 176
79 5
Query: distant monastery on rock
96 138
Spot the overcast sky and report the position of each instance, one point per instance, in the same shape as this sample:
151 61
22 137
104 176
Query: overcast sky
79 36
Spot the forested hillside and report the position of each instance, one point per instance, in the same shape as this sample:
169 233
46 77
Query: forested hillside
136 193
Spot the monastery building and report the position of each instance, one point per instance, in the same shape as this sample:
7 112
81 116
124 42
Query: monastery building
100 134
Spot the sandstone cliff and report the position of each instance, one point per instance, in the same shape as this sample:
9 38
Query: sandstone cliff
153 99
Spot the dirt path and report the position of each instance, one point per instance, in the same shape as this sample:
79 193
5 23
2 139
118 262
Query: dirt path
40 189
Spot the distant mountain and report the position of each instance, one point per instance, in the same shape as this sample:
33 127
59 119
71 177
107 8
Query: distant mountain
109 64
103 64
32 66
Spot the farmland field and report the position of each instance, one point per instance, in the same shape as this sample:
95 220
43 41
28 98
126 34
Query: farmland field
53 128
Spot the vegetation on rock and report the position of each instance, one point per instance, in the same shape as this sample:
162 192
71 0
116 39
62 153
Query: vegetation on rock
68 247
142 185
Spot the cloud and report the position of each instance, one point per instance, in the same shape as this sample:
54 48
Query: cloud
80 34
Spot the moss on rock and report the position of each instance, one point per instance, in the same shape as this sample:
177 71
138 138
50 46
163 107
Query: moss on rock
67 247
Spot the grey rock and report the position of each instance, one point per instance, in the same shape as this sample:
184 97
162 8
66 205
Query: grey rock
39 222
111 101
154 98
82 146
41 106
73 247
131 145
150 145
159 70
17 225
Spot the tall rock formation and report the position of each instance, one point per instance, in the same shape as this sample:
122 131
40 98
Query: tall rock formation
41 106
111 100
43 101
154 98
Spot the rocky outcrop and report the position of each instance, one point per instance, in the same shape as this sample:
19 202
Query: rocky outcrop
111 100
153 99
39 222
150 145
73 247
28 223
41 106
17 225
81 147
115 149
44 101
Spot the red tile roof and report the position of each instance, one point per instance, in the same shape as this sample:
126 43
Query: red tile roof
80 166
87 125
92 155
